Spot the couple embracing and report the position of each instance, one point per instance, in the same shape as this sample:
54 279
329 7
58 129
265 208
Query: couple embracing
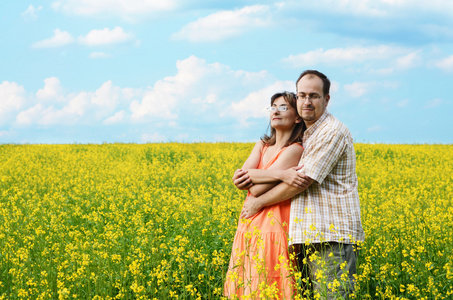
300 223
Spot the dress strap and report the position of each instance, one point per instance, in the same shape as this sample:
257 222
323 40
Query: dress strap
272 159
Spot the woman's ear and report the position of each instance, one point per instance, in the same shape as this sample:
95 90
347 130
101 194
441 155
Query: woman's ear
298 119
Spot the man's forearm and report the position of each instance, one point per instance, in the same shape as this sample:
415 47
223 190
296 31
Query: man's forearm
279 193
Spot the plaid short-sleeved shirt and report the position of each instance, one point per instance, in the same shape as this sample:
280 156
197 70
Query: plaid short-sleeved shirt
329 210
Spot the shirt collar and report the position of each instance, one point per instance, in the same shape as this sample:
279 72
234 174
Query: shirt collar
315 126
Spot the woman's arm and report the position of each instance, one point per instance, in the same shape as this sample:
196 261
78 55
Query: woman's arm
240 178
253 160
283 169
276 172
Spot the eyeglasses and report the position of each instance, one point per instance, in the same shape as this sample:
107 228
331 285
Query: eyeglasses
275 108
311 97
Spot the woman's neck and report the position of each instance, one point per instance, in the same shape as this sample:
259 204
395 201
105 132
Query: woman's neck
281 138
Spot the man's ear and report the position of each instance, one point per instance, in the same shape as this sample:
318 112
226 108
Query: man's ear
327 99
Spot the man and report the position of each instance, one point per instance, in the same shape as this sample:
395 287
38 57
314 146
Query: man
325 214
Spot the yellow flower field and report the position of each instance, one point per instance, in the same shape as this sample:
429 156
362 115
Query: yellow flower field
156 221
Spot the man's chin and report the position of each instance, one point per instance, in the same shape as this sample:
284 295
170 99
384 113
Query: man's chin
308 118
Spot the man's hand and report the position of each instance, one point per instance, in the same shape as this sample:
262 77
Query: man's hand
242 180
294 178
251 207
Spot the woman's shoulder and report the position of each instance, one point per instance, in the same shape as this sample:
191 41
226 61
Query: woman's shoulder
260 145
296 146
291 154
294 149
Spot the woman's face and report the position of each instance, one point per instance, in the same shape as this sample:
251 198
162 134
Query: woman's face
283 120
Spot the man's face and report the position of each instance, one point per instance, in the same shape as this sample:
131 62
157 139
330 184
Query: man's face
311 101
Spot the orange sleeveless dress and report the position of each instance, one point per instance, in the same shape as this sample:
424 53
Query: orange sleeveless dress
259 263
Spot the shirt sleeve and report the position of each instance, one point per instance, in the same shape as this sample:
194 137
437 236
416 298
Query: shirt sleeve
323 154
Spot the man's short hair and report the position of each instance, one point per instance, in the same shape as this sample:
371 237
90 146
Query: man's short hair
325 80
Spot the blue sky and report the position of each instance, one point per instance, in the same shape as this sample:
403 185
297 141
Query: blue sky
78 71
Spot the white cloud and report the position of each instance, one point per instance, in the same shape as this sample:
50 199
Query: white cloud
159 102
377 8
410 22
375 128
107 96
436 31
255 103
358 89
12 99
334 87
54 107
225 24
445 64
184 137
433 103
31 13
52 89
209 99
60 38
77 107
343 56
96 37
433 6
215 85
351 8
29 116
403 103
198 95
105 36
152 138
382 71
116 118
125 9
72 113
95 55
408 61
356 7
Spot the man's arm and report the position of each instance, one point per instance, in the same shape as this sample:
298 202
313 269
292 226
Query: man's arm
320 160
259 181
277 194
265 179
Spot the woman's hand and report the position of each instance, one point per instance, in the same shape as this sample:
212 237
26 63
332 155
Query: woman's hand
294 178
251 207
241 180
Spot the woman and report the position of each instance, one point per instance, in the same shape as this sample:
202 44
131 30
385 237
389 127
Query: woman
259 260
